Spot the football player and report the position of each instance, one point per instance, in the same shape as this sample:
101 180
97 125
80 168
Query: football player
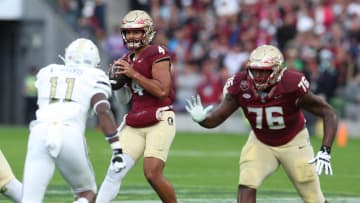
10 186
271 98
148 129
66 95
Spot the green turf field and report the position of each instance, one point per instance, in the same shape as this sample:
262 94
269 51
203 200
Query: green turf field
202 167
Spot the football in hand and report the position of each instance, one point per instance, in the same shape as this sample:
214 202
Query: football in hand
117 80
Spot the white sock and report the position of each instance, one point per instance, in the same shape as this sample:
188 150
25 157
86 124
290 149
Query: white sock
111 185
81 200
108 191
13 190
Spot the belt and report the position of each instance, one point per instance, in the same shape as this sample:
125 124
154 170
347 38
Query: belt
161 109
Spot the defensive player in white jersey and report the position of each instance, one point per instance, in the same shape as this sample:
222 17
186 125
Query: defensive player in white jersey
10 186
66 95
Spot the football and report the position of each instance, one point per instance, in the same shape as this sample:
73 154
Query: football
117 80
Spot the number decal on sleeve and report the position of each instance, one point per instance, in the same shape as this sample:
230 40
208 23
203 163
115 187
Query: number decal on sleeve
70 82
229 82
274 122
161 50
304 84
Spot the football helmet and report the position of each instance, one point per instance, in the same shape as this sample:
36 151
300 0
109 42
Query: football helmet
138 20
269 59
82 52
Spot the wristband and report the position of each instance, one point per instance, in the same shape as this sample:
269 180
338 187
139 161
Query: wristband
111 136
326 149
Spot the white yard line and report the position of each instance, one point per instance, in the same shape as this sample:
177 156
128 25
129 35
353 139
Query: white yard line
260 200
213 200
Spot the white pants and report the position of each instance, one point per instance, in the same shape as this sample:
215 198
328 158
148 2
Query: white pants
68 153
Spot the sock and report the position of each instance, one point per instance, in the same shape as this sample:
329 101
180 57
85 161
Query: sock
13 190
108 191
81 200
111 185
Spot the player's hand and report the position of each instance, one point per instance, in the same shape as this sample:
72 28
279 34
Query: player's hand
113 74
117 161
322 161
122 67
196 109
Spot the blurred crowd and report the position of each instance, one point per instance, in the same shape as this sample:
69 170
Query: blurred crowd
86 17
210 40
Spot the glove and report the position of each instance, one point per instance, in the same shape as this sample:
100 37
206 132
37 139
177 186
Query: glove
322 161
117 161
196 109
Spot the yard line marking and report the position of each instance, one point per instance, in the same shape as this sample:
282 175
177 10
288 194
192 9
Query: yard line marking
212 200
229 200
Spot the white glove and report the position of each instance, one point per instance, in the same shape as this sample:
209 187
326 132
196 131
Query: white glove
322 161
196 109
117 161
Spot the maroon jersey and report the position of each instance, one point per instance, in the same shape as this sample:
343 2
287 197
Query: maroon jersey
275 116
143 104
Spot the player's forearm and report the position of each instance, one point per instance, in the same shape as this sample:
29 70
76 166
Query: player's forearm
107 122
211 121
102 108
108 126
330 127
152 86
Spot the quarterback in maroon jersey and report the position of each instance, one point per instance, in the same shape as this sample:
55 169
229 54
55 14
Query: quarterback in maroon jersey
148 129
271 98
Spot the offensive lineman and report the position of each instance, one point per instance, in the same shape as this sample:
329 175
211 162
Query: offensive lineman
149 127
271 98
10 186
66 95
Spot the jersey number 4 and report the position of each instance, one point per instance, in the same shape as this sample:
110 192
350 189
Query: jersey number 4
272 121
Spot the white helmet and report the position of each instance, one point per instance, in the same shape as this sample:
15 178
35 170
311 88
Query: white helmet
138 20
266 58
82 52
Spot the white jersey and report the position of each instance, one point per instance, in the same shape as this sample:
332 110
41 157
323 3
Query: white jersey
57 135
64 93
